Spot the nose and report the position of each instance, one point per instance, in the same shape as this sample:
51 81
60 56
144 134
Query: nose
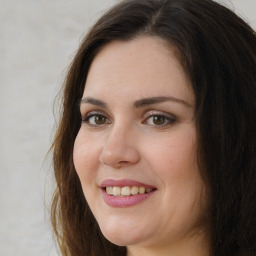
120 148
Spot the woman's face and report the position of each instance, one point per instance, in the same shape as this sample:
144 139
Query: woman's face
135 153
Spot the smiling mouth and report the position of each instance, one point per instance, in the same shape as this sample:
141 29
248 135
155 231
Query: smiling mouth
127 190
125 193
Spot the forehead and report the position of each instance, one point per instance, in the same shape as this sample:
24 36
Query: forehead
145 66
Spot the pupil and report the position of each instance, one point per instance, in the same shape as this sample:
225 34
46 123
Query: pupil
99 119
158 120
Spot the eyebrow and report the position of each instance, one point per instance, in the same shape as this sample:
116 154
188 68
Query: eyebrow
93 101
155 100
139 103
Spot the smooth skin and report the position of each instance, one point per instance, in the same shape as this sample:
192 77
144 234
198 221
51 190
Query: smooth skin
138 123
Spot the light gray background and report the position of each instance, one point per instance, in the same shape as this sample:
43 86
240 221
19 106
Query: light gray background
37 41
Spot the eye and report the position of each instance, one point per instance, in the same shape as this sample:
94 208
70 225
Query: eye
160 120
95 119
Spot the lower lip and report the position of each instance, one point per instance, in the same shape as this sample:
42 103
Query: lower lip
125 201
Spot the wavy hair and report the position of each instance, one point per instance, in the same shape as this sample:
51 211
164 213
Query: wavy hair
217 51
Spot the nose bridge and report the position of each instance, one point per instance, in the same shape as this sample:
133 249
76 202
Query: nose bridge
119 148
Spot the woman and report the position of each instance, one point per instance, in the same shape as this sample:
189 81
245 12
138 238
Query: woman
155 150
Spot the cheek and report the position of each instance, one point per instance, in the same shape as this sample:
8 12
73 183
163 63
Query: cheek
174 161
173 156
86 158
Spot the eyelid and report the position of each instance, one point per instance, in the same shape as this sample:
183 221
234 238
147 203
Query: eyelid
92 113
169 117
159 113
85 113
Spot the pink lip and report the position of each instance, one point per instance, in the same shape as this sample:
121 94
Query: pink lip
124 201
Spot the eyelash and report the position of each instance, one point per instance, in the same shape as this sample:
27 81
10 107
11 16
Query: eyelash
168 119
87 117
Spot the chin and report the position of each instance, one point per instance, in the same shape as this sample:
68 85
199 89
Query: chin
120 238
121 234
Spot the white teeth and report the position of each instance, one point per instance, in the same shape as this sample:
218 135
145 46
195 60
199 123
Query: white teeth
142 190
116 191
134 190
127 191
109 190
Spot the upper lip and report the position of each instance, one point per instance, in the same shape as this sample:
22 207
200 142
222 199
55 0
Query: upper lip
123 183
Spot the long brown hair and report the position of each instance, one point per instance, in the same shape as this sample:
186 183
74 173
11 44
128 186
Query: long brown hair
217 50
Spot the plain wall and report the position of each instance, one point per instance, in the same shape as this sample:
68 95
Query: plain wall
37 42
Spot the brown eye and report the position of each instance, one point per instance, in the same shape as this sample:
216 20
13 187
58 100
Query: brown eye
159 120
99 119
96 119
